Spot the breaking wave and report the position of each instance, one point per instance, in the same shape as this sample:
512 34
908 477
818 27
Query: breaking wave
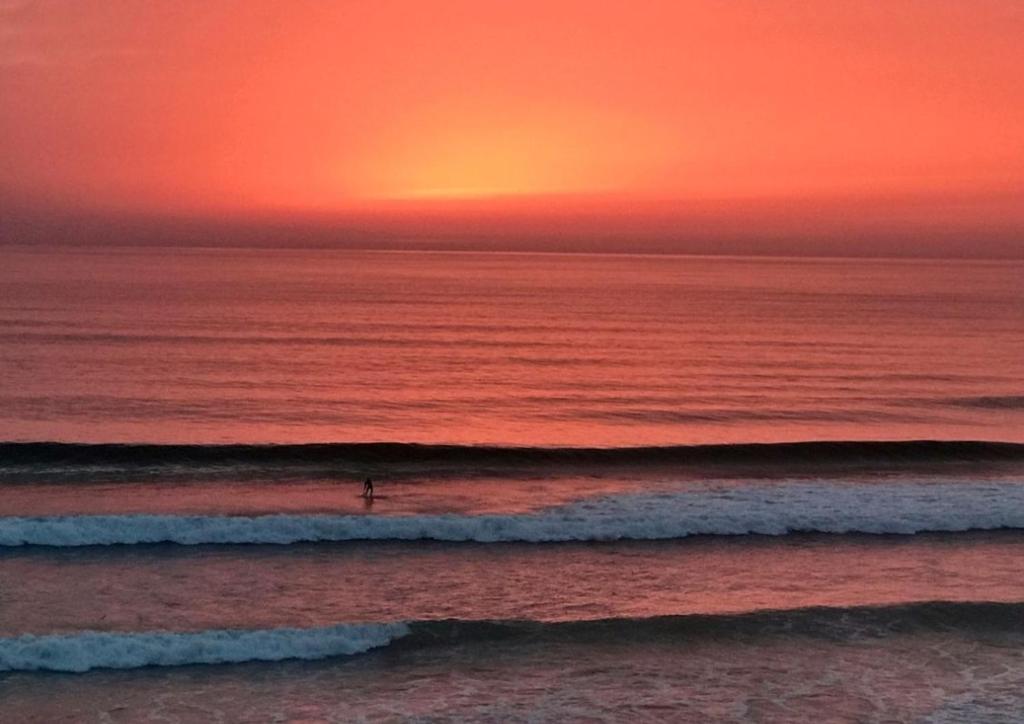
82 651
96 649
837 508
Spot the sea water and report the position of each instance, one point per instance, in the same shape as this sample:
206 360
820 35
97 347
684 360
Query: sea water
608 487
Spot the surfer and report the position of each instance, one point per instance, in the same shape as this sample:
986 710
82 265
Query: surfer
368 488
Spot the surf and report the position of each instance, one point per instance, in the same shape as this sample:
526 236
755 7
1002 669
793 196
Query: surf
87 650
724 510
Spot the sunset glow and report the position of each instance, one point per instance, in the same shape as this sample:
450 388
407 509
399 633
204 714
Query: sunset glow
304 107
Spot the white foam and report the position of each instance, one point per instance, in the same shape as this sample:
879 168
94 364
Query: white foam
754 509
94 649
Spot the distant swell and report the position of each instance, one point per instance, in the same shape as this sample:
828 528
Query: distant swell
836 508
991 402
87 650
344 456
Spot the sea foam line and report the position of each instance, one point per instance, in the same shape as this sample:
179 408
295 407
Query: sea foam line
95 649
838 508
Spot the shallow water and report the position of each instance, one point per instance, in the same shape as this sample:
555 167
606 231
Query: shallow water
161 588
840 674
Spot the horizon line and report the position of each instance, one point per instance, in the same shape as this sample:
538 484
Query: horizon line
767 255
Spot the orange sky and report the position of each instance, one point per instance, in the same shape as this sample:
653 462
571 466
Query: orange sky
642 111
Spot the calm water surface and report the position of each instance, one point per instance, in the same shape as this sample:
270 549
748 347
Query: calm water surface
208 346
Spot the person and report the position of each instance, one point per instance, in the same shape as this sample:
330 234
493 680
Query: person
367 488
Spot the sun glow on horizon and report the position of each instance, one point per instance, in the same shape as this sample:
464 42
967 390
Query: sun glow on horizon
453 193
311 106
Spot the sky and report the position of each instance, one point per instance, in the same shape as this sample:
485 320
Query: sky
829 127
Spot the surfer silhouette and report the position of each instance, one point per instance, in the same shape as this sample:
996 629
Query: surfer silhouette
368 489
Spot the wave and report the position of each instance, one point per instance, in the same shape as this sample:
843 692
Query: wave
82 651
991 402
778 509
814 621
95 649
399 456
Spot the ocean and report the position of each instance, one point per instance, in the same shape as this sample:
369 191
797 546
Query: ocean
607 487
